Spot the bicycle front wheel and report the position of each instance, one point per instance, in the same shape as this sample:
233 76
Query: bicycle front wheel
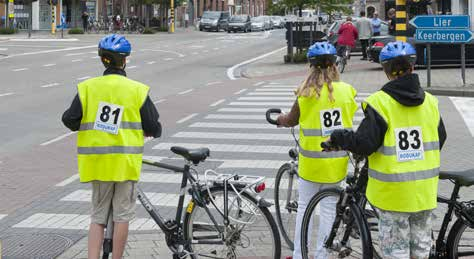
286 202
250 232
351 238
460 241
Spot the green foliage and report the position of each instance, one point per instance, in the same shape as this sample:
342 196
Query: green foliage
76 31
7 31
299 57
149 31
277 9
163 29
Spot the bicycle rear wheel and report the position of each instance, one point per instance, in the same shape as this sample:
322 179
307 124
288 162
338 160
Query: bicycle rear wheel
251 230
286 202
352 239
460 241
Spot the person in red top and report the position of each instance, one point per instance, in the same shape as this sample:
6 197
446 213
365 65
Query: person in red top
348 35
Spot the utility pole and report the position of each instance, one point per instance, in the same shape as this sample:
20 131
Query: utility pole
53 17
401 20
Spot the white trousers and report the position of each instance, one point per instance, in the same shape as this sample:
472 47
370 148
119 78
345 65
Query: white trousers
327 213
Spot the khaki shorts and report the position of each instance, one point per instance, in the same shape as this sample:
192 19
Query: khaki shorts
121 195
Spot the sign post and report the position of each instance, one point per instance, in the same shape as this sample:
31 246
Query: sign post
454 29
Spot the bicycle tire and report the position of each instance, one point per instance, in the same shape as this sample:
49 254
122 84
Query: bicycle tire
454 239
358 218
342 65
253 249
371 217
287 235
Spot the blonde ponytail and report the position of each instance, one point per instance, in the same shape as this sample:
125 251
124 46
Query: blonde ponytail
315 82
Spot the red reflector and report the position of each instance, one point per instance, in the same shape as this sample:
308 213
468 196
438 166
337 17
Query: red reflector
260 187
378 44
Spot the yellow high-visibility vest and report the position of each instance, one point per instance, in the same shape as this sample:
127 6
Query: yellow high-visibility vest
403 173
110 139
318 118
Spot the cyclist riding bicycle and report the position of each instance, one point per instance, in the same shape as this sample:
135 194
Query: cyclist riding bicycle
402 134
323 104
347 36
112 114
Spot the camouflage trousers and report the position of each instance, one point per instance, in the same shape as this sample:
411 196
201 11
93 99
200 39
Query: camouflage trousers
405 235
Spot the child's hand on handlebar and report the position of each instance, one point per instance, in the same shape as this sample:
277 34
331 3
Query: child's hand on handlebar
328 146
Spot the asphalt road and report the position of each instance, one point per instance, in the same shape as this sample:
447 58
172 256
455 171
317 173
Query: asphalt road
38 82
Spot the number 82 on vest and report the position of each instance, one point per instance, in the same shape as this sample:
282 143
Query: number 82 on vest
108 118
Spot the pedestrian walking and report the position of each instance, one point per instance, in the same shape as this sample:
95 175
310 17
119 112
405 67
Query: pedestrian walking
376 24
391 21
364 27
85 20
323 104
402 134
186 20
112 114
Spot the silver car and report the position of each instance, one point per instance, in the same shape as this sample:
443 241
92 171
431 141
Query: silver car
261 23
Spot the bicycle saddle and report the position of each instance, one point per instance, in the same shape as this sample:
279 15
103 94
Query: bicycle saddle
464 178
195 155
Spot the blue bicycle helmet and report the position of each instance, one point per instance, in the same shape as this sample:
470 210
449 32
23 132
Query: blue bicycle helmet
397 49
322 54
397 58
113 49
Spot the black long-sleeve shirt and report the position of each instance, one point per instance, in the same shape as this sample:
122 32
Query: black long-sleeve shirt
371 132
149 115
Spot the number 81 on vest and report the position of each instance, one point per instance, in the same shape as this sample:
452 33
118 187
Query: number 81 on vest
108 117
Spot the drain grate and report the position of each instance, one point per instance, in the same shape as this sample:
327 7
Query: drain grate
38 246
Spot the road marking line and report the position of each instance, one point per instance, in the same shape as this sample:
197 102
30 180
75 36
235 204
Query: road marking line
230 125
95 57
235 117
269 104
20 69
241 91
227 148
48 51
68 181
3 216
6 94
58 138
230 71
205 51
83 78
168 51
132 67
214 83
272 93
187 118
76 60
194 53
275 90
186 91
49 65
465 105
271 98
168 59
279 86
259 83
151 62
3 49
159 101
217 135
217 103
245 110
44 40
215 48
49 85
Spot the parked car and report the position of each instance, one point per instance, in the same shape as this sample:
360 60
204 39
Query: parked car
268 22
239 23
277 22
260 23
214 20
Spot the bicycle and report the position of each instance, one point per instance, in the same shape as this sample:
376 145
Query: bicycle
287 176
225 218
349 235
341 60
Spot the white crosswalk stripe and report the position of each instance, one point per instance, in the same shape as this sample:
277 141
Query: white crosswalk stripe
237 119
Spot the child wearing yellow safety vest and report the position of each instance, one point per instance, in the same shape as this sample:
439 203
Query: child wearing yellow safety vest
323 104
402 134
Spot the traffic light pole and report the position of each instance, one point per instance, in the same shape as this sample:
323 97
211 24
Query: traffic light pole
53 17
401 20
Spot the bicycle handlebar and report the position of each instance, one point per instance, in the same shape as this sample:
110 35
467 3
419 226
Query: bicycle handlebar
269 113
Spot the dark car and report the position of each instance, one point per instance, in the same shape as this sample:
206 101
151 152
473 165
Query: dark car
239 23
214 20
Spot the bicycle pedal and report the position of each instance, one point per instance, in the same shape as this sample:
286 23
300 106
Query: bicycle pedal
171 224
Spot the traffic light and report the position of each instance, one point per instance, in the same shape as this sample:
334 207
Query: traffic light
54 2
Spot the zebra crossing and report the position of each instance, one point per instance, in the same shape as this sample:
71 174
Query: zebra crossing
234 129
